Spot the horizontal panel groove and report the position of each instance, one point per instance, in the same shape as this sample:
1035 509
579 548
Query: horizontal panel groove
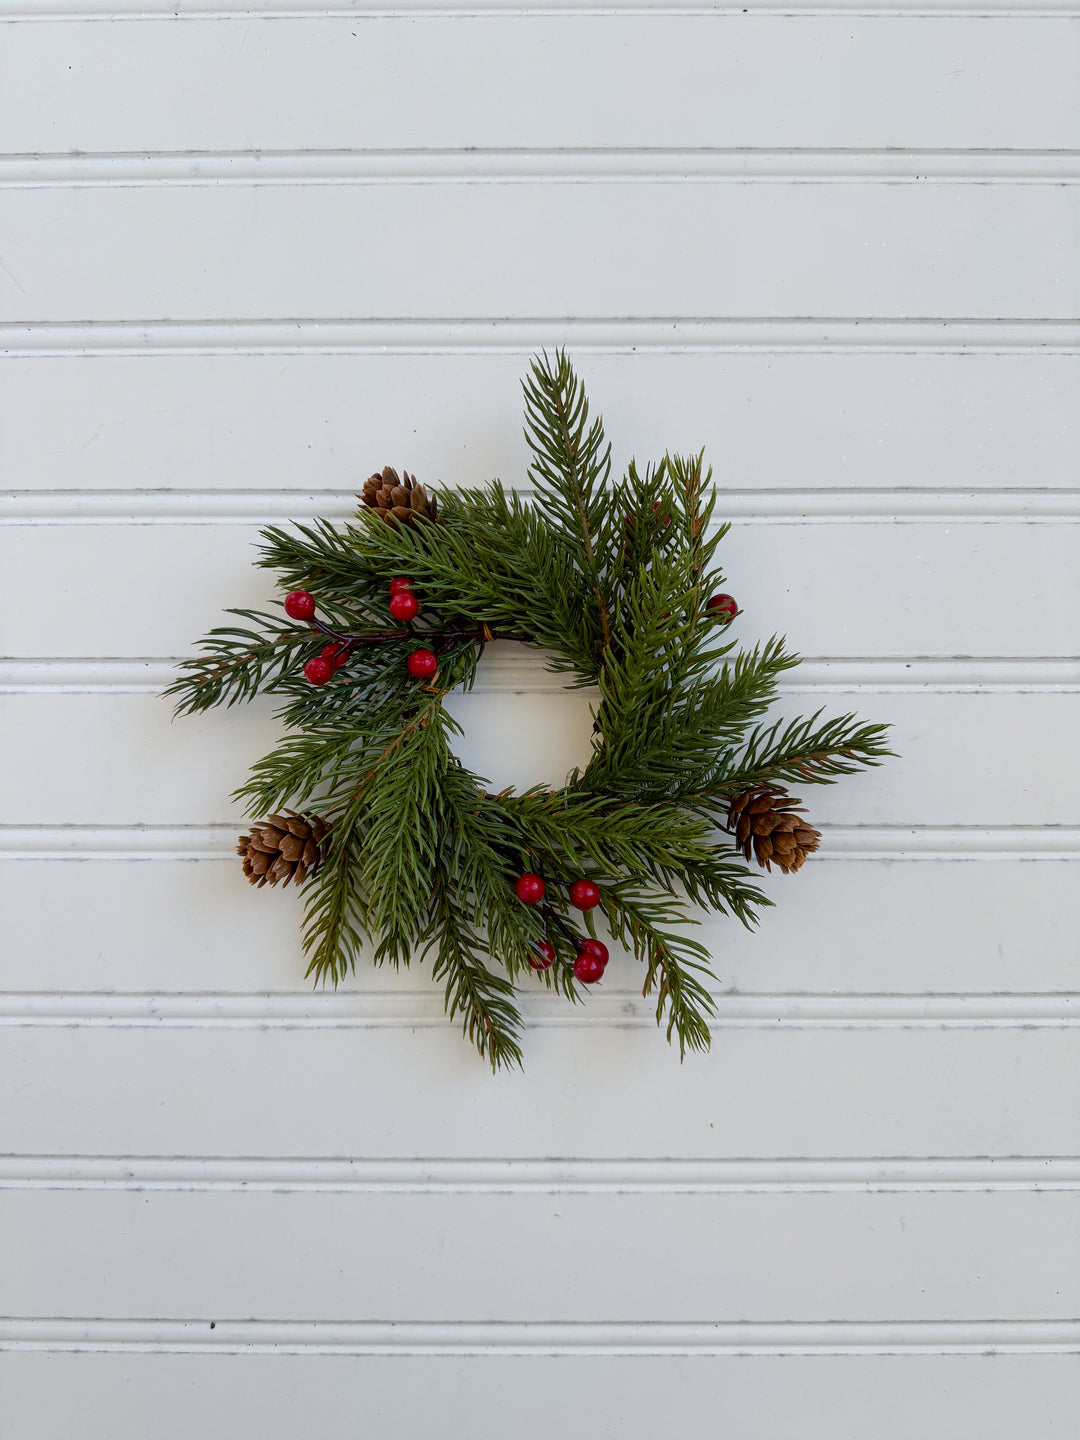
93 10
617 1008
598 335
506 166
520 670
832 1337
851 842
754 507
411 1175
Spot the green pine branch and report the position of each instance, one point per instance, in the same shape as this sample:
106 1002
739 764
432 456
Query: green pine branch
714 879
802 751
571 834
399 856
659 732
335 918
238 662
677 968
328 560
304 767
570 470
479 853
483 1000
697 501
337 734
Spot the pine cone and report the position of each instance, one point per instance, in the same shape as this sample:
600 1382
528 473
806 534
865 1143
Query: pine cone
283 848
399 501
769 822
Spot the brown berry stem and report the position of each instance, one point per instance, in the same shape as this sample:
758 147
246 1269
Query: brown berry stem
552 917
482 635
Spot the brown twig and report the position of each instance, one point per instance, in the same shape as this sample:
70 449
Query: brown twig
481 635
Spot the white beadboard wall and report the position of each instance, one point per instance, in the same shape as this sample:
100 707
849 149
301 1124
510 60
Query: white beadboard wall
250 252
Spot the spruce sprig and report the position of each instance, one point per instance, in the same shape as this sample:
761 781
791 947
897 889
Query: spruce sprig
399 854
238 662
483 999
570 470
677 968
806 751
336 920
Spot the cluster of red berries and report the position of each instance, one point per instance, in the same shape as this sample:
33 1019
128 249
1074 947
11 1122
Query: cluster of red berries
403 603
300 605
591 962
404 606
531 888
592 955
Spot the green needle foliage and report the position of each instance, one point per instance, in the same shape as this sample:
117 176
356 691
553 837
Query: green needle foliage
611 577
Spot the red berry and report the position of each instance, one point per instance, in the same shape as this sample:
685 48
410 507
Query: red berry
529 888
667 518
319 670
587 968
299 605
544 955
423 664
597 948
336 653
723 605
584 895
403 605
399 584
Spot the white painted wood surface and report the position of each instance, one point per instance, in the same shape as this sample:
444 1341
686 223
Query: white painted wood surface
453 81
953 408
417 250
423 1255
246 255
636 1395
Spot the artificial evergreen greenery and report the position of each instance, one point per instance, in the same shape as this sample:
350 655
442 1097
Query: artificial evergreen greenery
612 578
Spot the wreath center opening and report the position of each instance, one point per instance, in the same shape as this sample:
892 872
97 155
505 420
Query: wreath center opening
521 724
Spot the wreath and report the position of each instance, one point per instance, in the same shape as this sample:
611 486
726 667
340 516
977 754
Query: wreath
398 844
